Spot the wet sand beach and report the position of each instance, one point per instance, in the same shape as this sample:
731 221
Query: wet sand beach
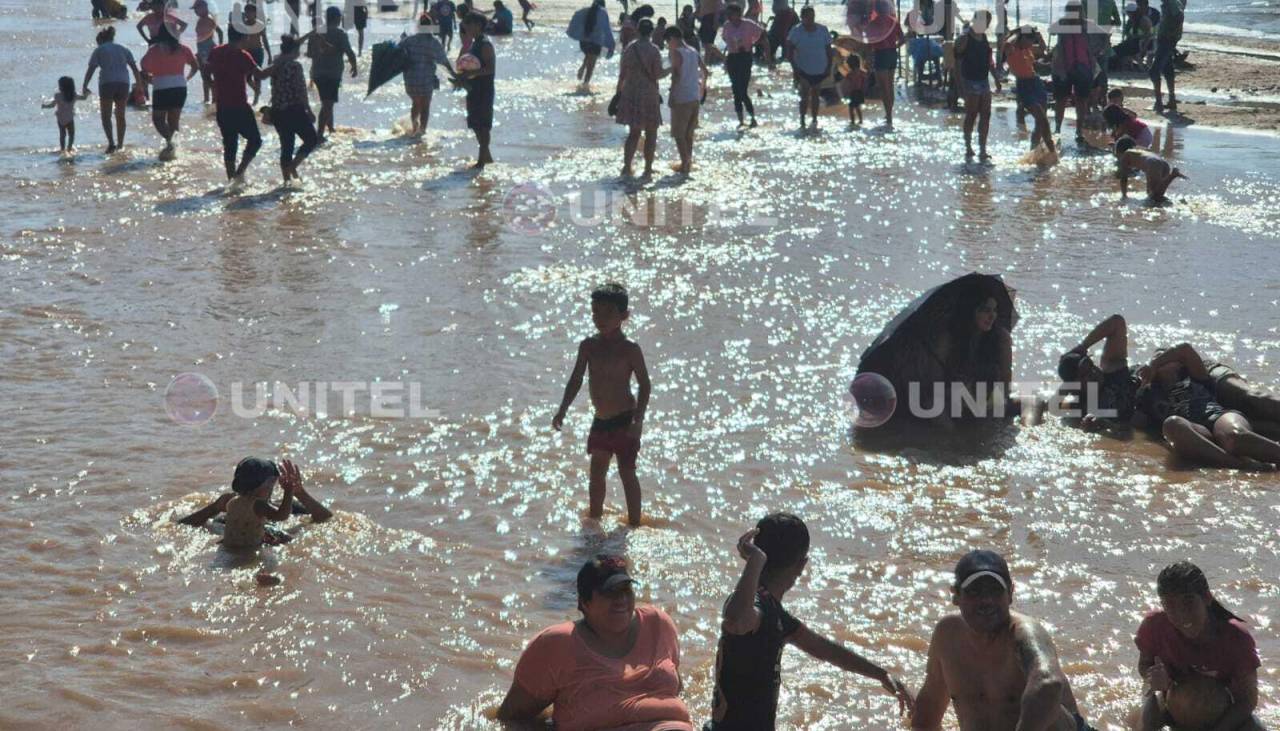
756 284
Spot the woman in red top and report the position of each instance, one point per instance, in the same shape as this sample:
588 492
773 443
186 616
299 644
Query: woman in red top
165 66
618 666
1197 643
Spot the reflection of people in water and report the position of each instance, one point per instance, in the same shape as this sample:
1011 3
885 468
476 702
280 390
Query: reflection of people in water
977 354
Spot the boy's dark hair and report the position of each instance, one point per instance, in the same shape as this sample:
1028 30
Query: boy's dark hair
732 8
1069 366
475 19
1185 577
613 293
645 28
672 32
1124 144
288 43
251 472
784 539
1113 115
106 35
1115 93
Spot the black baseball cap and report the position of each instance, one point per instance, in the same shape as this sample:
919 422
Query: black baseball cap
252 472
978 564
603 573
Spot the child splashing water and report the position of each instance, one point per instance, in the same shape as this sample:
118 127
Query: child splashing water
64 106
248 507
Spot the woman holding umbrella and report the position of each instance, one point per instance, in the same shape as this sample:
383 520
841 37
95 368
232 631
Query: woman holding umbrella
954 337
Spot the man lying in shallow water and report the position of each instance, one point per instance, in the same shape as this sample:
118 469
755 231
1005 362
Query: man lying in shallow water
1000 668
1206 412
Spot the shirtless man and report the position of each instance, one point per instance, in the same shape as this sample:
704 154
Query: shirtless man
1158 172
999 667
612 360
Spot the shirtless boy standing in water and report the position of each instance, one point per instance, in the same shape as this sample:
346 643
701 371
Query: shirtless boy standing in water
612 359
999 667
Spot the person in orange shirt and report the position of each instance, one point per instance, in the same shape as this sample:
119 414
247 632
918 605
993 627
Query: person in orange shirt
1021 48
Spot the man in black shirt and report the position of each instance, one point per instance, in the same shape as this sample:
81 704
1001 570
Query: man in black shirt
756 627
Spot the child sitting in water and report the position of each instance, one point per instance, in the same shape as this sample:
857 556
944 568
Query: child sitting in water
248 505
853 87
1198 659
612 360
1159 173
64 106
755 628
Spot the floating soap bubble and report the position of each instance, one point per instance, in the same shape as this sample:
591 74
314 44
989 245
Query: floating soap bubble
191 399
871 21
529 208
872 400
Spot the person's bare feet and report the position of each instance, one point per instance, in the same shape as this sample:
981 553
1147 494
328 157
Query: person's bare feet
627 172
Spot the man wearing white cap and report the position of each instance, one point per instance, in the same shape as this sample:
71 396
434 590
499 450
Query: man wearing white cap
1000 667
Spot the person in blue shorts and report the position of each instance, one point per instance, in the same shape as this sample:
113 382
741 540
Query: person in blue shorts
1021 48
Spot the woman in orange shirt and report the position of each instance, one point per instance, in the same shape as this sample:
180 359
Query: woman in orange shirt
1021 48
617 666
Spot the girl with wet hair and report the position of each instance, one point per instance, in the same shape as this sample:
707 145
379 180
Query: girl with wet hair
1199 661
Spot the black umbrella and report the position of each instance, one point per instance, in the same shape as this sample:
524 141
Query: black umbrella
389 61
906 350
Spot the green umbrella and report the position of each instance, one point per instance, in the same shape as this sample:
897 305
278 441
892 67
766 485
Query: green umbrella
389 61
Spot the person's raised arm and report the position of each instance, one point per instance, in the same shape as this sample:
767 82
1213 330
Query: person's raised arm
931 703
1115 334
821 648
291 481
208 512
1184 355
741 616
572 387
521 707
1244 697
1042 696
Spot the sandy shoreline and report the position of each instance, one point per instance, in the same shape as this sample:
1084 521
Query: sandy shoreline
1235 84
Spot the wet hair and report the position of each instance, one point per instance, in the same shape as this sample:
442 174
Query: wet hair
732 8
590 25
644 11
1069 366
163 35
673 32
784 539
612 292
1124 144
962 329
67 88
1113 115
106 35
645 28
1185 577
288 43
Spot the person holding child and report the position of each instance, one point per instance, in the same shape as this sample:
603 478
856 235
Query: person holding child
1198 661
248 506
612 360
755 628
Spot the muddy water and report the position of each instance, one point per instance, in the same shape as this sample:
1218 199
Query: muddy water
756 285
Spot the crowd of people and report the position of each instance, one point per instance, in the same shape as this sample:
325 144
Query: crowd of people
825 67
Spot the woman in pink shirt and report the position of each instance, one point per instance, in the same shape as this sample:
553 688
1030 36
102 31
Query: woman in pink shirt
165 66
740 38
616 668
